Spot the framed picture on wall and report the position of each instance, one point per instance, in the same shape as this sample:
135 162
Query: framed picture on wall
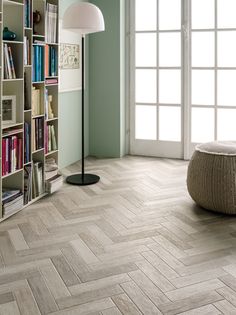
8 109
69 64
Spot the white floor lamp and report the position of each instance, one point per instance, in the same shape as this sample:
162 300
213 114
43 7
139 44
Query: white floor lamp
83 18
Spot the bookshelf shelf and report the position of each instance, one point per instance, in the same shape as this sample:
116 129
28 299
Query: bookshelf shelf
12 133
25 157
51 152
11 3
38 116
13 173
12 80
37 151
12 42
52 119
11 125
28 163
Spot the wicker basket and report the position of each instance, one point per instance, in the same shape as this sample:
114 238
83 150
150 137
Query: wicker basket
211 180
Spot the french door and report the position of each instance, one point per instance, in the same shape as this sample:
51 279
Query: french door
183 75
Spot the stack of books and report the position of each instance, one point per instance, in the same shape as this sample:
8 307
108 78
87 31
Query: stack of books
27 142
51 23
51 81
12 201
36 102
27 184
38 64
50 61
37 130
9 68
11 154
26 51
51 168
38 186
50 139
27 7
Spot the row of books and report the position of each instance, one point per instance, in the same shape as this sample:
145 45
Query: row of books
38 64
50 61
9 68
51 23
33 181
28 17
50 139
26 51
27 142
37 179
12 201
12 154
37 132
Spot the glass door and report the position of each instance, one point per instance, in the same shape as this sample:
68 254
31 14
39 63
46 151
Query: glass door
156 112
213 71
183 74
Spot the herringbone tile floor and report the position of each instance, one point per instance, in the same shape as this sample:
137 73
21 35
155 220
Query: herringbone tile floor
134 243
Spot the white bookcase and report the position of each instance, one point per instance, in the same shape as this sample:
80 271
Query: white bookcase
12 15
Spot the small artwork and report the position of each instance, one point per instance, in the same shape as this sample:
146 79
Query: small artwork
9 109
69 56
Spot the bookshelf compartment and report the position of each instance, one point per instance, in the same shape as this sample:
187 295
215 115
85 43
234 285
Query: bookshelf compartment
13 56
15 88
13 18
39 28
14 203
51 102
51 136
38 174
12 153
38 97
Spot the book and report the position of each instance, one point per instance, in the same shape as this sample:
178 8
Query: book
36 101
27 8
26 51
27 142
27 184
12 67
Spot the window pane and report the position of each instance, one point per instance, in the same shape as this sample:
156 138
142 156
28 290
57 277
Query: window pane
203 87
146 15
227 49
145 50
226 87
146 122
202 125
169 14
203 14
203 49
169 50
170 86
145 86
226 13
170 123
226 124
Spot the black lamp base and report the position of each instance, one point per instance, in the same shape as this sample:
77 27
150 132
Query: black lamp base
82 180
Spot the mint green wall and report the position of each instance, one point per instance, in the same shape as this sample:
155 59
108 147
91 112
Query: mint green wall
70 117
106 82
